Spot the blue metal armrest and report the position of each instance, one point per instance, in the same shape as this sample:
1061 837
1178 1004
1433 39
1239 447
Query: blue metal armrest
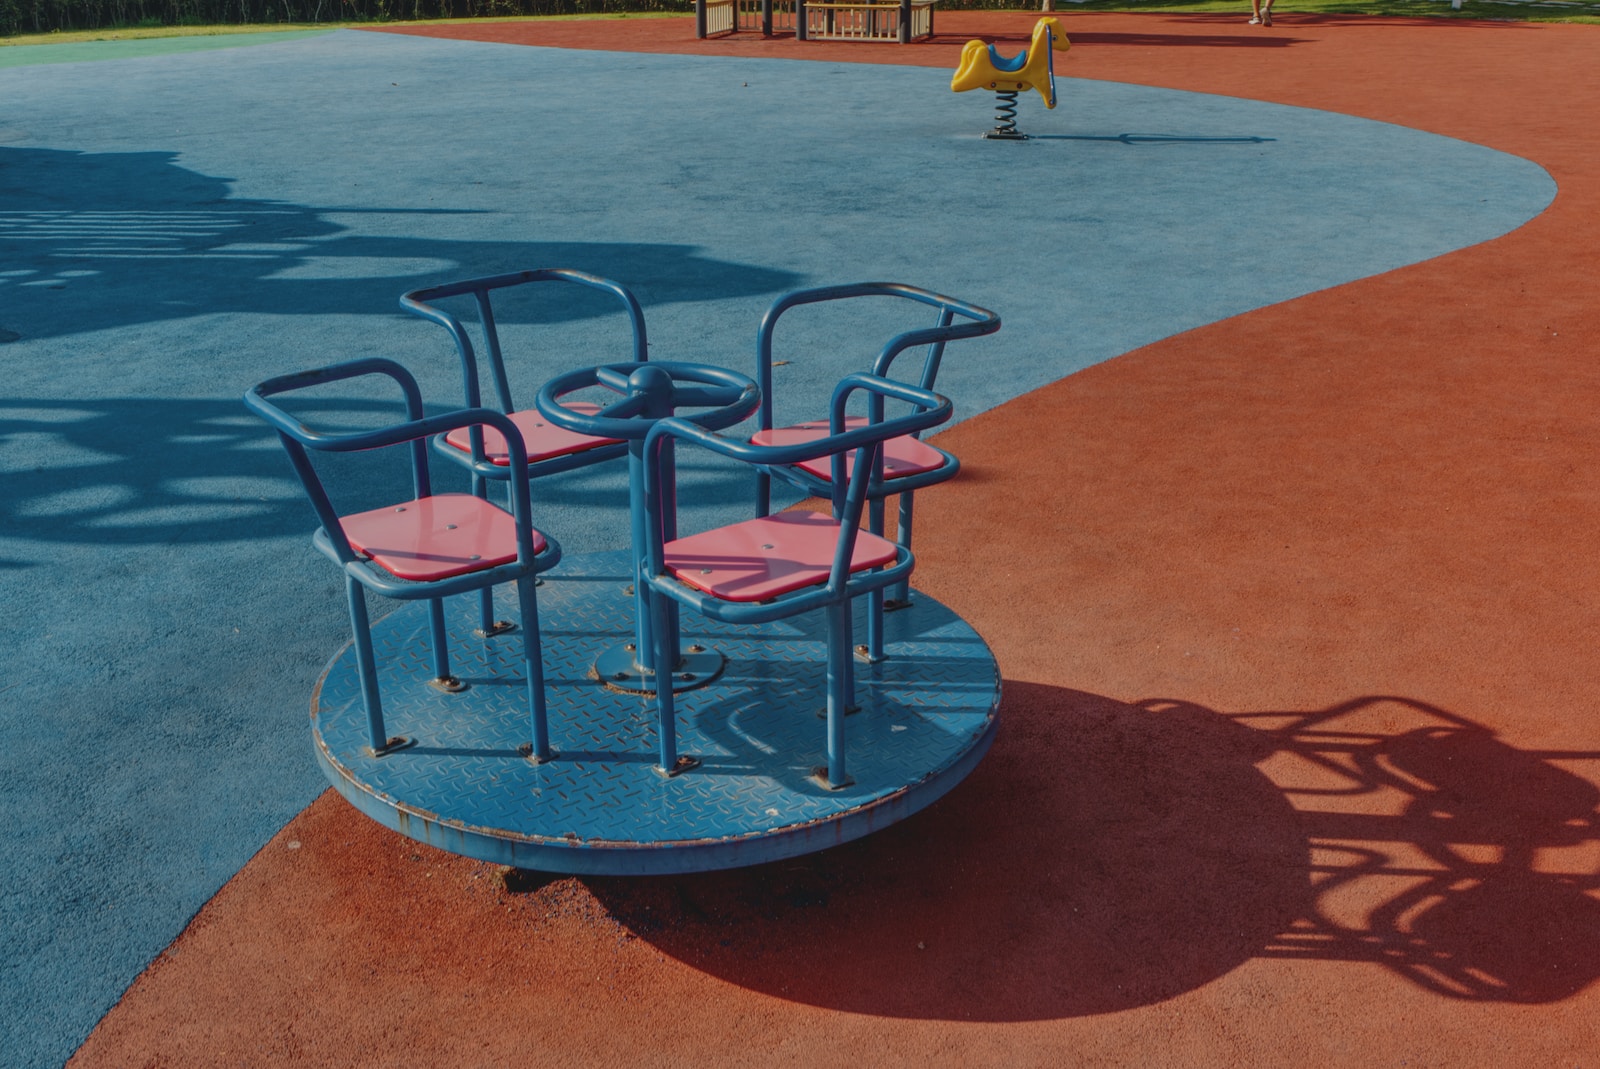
298 437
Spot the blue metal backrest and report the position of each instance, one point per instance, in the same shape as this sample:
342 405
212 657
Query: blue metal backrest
418 302
979 321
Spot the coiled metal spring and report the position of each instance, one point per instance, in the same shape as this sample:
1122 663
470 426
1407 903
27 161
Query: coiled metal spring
1005 117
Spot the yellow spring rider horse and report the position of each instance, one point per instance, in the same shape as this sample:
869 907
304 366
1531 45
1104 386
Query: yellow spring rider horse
1034 68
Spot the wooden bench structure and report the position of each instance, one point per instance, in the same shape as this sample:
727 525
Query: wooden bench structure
903 21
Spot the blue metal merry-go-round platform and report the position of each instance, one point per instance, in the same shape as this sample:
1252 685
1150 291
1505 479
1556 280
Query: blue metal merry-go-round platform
927 714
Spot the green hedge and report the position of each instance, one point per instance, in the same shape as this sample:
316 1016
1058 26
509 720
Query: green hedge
44 16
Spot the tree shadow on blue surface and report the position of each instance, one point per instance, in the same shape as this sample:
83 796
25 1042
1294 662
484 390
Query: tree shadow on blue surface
134 471
1110 855
108 241
167 471
128 470
90 241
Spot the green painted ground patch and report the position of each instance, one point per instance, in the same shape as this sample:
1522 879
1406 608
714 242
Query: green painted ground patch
84 51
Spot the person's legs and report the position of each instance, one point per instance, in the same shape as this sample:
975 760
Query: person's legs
1264 11
1255 12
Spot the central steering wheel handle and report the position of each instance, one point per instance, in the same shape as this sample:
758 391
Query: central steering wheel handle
651 391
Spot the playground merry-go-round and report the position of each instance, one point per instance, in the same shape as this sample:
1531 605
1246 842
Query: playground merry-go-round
697 701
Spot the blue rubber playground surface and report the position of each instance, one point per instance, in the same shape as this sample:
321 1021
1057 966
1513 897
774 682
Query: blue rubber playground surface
175 228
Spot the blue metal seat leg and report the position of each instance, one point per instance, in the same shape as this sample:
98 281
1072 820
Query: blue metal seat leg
527 603
840 691
367 668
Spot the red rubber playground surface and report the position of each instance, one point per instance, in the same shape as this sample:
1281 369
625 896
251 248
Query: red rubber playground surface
1300 752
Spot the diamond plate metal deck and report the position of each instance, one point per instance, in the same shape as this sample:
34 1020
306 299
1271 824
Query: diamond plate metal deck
928 714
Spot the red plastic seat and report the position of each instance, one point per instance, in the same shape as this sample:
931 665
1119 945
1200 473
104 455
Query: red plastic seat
544 440
436 537
901 456
763 558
